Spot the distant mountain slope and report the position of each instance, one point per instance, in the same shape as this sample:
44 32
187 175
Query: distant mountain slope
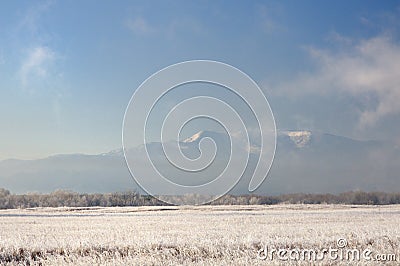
82 173
305 162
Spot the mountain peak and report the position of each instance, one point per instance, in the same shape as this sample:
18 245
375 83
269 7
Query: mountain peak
194 137
215 135
300 137
116 152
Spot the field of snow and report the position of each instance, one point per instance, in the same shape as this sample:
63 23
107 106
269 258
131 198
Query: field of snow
204 235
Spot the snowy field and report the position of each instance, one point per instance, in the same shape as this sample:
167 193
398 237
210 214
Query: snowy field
206 235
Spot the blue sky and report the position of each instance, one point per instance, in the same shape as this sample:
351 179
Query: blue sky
69 68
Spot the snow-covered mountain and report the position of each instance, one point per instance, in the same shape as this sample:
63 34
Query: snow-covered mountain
300 138
305 161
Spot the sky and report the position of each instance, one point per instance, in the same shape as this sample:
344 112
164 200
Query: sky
69 69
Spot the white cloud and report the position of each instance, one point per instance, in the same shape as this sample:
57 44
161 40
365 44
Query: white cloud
139 26
33 15
369 68
37 60
268 15
36 64
339 39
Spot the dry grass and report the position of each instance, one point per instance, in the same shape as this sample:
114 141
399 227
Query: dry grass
207 235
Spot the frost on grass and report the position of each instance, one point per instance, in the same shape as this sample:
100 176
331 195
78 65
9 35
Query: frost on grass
204 235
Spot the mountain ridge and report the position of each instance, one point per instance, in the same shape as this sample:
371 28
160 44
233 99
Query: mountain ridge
304 162
205 133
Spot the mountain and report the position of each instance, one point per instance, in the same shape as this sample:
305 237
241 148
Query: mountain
305 161
330 163
78 172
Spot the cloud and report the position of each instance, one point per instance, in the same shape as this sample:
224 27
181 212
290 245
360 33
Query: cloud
369 71
339 39
32 16
39 70
268 15
139 26
37 57
36 64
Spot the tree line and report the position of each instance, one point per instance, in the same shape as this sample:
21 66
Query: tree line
61 198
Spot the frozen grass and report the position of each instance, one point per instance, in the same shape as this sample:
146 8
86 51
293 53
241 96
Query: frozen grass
206 235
